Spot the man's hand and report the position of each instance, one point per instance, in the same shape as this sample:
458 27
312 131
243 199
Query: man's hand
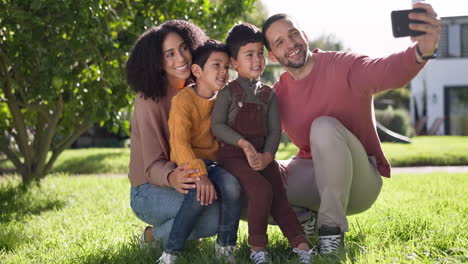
427 42
206 192
263 160
179 179
250 152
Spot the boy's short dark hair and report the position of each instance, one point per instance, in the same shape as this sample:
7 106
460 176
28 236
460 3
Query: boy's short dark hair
240 35
201 54
267 25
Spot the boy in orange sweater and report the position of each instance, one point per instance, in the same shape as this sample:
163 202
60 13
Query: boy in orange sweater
192 143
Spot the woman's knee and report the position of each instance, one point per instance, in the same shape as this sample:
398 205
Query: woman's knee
154 205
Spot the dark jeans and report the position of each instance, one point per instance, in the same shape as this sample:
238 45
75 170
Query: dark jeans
229 198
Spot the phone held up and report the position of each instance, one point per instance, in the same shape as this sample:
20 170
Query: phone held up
400 23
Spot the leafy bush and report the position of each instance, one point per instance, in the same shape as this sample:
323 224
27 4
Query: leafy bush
397 120
398 98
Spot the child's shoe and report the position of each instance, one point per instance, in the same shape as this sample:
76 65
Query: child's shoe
167 258
224 252
259 257
309 225
305 256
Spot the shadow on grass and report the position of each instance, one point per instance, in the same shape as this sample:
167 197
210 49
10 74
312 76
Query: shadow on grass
203 252
122 253
87 164
16 202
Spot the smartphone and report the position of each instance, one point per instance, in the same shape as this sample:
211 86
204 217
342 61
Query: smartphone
400 23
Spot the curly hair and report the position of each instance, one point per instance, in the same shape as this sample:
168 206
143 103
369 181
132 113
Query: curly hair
241 35
145 71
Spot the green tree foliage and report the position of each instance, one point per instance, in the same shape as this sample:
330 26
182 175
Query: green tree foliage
326 42
257 16
61 67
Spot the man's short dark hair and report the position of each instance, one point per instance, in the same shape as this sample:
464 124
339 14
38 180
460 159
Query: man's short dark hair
201 55
240 35
268 23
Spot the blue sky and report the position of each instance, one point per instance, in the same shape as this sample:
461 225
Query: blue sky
363 26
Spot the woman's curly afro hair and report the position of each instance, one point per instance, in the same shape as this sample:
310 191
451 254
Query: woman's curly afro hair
145 72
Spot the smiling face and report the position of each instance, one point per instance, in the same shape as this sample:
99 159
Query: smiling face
288 44
214 75
177 58
250 61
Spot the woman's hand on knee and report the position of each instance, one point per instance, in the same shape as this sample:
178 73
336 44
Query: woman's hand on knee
179 179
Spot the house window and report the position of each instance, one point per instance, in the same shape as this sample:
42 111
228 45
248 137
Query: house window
456 110
442 51
464 36
454 40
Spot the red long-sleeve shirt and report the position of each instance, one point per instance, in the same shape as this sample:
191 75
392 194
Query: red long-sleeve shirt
341 85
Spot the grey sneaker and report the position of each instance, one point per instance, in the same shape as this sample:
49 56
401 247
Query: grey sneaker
259 257
225 252
305 256
330 239
310 224
167 258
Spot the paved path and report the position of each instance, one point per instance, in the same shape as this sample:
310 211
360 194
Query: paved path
429 169
395 170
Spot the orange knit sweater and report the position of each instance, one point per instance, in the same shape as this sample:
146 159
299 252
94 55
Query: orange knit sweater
190 138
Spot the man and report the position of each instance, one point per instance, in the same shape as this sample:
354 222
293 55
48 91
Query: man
325 102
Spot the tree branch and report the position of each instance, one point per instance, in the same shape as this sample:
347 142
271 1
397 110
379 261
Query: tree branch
45 140
11 155
65 143
18 118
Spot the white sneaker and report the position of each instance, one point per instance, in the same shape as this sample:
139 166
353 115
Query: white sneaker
225 252
167 258
330 239
259 257
305 256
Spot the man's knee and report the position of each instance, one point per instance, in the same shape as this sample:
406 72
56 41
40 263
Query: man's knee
323 129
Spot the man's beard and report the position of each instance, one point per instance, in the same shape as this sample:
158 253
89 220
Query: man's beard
289 64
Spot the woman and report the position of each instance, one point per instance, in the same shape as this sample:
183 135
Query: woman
158 67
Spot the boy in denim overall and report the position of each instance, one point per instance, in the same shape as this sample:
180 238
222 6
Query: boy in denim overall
245 120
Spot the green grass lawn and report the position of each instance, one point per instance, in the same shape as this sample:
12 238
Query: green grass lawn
422 151
428 150
418 218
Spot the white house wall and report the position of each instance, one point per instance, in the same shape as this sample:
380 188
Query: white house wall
436 75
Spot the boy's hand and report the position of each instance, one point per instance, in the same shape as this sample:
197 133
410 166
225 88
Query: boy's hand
250 152
263 160
206 192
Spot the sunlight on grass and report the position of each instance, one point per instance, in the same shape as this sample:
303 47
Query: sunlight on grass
423 151
417 219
